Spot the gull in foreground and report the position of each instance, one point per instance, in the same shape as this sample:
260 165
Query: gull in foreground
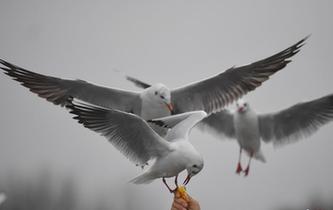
132 135
285 126
211 94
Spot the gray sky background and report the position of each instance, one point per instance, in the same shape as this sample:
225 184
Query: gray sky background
174 42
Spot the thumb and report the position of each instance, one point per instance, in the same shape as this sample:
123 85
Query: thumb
177 194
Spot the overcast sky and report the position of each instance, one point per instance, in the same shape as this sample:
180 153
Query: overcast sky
174 42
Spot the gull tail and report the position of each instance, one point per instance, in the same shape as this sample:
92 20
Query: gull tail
145 178
260 156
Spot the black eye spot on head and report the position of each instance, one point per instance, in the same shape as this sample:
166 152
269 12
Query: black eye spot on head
156 92
195 166
245 104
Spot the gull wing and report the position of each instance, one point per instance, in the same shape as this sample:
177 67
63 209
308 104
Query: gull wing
180 125
127 132
220 123
58 91
214 93
297 121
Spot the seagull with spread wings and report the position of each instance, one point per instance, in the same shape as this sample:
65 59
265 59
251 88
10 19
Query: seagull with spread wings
133 136
285 126
211 94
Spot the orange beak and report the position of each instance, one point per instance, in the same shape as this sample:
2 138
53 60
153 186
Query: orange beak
169 106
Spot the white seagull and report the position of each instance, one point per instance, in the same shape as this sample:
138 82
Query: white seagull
210 95
132 135
285 126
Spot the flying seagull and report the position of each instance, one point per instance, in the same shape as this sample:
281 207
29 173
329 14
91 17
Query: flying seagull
285 126
133 136
211 94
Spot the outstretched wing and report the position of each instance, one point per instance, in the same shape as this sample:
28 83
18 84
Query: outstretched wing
220 123
297 121
58 91
127 132
213 94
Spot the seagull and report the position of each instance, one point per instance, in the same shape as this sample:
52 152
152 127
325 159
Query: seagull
155 101
285 126
132 135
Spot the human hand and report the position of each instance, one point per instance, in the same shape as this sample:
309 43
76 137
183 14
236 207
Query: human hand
180 204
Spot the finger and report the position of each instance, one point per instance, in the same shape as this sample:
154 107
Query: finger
177 194
192 202
176 206
190 198
181 202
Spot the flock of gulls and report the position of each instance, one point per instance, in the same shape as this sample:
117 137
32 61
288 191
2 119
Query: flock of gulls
153 125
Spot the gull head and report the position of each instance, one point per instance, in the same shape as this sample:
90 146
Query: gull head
193 168
242 106
160 94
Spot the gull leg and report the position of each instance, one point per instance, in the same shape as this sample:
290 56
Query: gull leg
166 184
248 165
176 181
239 166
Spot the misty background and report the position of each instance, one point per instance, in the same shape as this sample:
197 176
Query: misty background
44 152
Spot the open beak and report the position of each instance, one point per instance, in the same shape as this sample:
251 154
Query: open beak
169 106
187 180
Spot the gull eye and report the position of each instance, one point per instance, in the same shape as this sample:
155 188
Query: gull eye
195 166
245 104
156 92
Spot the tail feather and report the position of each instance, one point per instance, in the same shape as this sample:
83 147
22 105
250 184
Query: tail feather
143 179
260 156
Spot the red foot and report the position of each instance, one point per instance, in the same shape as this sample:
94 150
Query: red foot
246 172
239 168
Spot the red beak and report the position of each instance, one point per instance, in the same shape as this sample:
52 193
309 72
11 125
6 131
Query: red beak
240 109
187 180
169 106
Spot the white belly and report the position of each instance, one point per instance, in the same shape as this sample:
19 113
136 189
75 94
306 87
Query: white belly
168 166
176 161
151 110
247 131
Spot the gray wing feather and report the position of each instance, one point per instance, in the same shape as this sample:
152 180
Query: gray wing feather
297 121
221 123
215 93
58 91
127 132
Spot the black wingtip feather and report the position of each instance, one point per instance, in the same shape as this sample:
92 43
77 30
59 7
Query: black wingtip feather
159 123
138 83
